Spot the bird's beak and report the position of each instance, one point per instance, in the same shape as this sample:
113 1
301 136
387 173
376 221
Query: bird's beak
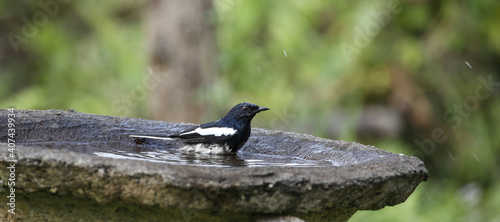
262 108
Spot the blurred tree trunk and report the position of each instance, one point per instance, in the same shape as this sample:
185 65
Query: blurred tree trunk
182 41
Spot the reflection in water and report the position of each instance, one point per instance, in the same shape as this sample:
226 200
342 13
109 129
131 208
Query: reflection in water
171 155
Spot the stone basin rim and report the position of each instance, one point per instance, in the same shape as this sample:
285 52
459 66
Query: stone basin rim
120 127
213 176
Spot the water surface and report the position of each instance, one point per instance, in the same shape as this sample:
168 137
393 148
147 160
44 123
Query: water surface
171 155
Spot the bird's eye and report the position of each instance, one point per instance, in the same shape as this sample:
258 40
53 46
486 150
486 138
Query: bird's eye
245 108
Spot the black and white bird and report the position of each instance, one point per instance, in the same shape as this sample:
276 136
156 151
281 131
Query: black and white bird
226 135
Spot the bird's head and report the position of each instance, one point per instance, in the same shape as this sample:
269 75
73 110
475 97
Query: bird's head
245 111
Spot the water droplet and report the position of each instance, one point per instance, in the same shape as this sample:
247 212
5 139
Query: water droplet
467 63
429 196
451 156
475 156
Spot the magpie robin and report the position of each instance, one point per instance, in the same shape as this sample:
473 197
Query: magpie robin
226 135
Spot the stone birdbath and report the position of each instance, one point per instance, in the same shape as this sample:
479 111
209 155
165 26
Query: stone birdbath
73 166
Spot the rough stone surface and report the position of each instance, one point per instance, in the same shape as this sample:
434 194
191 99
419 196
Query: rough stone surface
66 183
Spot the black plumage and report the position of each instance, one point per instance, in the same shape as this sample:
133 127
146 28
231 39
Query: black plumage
227 135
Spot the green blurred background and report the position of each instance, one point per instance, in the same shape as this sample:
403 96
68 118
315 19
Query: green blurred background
411 77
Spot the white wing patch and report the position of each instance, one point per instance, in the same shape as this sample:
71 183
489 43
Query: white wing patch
214 131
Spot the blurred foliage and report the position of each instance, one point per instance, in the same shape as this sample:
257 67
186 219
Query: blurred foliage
84 57
92 55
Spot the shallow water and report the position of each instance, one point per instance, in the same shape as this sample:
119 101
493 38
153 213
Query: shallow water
171 155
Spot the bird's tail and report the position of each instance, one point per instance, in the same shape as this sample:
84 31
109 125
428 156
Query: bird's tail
152 137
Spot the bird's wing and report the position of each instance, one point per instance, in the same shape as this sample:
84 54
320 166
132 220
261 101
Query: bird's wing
207 133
